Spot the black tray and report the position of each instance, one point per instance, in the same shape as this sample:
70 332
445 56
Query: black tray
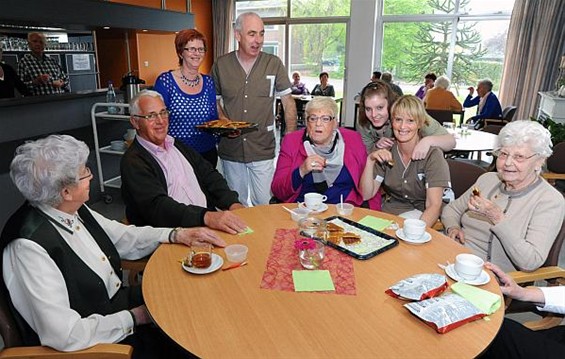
393 242
225 131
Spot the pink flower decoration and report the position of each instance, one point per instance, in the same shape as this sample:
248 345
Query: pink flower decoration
304 244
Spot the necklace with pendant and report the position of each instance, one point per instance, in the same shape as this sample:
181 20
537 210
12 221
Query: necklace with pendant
190 83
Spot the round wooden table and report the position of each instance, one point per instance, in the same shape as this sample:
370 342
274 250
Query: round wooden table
227 314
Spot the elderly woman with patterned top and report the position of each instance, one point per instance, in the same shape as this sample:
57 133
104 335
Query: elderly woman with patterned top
323 88
61 260
414 189
321 158
190 96
511 217
375 127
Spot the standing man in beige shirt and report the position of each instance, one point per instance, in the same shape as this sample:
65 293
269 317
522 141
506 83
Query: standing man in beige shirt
247 83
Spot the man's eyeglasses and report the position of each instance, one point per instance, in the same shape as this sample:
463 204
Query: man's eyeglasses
87 175
154 115
325 119
200 50
502 155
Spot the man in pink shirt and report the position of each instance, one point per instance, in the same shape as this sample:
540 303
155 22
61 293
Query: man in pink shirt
166 183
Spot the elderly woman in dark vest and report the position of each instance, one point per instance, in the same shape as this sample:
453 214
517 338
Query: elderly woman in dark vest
61 260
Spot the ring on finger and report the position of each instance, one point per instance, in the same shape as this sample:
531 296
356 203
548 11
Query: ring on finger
477 208
313 163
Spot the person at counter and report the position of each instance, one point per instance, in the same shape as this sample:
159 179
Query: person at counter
61 260
9 81
166 183
41 74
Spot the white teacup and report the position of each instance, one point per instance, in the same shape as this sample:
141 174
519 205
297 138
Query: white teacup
468 266
414 229
314 200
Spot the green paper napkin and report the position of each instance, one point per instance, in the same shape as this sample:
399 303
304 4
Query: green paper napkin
312 280
378 224
248 230
486 301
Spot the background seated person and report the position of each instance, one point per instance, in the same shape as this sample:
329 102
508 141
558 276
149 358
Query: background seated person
323 88
374 123
429 81
298 88
376 76
516 341
489 106
166 183
387 77
413 189
516 215
321 158
61 260
440 98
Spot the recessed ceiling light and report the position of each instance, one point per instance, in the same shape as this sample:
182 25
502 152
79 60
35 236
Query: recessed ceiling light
106 27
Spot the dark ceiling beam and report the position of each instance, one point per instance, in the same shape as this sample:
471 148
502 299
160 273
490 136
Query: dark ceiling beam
91 15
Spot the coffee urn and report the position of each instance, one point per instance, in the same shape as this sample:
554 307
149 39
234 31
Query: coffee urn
130 84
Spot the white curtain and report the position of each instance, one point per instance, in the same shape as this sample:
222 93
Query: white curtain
536 42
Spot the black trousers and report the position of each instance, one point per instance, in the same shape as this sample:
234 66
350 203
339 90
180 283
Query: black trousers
516 341
149 342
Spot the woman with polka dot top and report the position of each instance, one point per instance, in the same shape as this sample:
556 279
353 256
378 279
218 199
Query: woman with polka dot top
190 96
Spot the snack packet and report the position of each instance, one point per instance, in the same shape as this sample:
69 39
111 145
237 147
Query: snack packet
419 286
446 312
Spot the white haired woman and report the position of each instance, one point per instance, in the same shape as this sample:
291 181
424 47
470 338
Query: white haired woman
510 217
440 98
322 158
61 260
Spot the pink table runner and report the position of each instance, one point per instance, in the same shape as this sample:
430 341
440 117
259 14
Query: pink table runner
283 259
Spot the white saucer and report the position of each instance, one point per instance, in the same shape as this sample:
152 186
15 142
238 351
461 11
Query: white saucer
323 208
217 263
425 238
484 278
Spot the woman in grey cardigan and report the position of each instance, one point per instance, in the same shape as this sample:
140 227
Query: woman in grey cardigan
511 217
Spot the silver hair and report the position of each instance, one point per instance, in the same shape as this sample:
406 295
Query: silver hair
42 168
322 103
238 25
487 83
41 35
527 133
442 82
134 102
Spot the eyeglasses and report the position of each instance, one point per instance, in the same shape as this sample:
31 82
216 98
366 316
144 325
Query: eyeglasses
200 50
325 119
164 113
87 175
502 155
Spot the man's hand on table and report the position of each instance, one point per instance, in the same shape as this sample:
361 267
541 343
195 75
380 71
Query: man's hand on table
225 221
198 235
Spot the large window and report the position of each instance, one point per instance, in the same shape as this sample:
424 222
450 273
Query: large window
462 39
308 35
